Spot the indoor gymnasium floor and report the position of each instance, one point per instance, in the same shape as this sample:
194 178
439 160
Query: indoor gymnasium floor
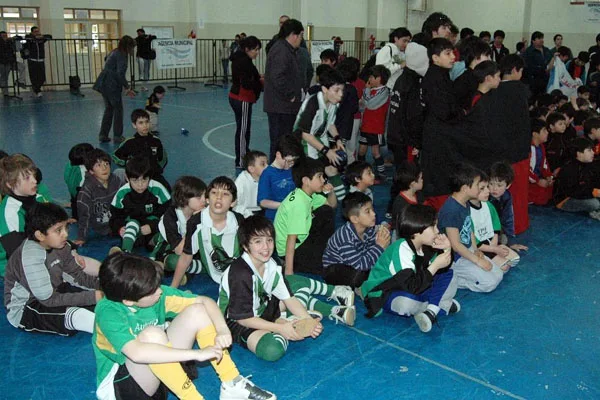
536 337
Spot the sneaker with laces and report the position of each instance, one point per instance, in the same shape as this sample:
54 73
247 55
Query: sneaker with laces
595 214
343 295
455 307
425 320
343 314
242 388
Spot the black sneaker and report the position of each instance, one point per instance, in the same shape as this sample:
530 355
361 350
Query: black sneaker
455 307
425 320
104 139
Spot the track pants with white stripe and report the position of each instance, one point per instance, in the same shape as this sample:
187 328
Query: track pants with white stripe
243 119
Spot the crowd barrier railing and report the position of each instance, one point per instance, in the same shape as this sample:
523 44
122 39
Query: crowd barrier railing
84 58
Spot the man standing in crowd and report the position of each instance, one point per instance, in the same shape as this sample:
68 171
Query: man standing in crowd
282 19
537 57
34 52
283 84
8 62
144 54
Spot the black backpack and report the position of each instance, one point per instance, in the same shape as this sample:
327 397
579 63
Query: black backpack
364 73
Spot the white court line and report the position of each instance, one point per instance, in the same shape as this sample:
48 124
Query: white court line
213 148
440 365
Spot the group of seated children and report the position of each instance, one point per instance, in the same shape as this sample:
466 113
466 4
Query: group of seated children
255 235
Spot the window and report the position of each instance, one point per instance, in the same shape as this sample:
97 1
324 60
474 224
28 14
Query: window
18 20
93 25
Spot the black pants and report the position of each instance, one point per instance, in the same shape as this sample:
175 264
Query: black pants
308 257
345 275
279 125
113 115
37 74
243 119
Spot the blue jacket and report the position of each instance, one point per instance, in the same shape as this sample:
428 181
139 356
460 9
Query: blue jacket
112 80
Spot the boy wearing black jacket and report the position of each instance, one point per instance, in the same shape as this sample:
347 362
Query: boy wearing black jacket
577 188
138 205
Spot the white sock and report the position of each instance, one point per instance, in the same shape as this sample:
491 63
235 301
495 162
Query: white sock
433 308
79 319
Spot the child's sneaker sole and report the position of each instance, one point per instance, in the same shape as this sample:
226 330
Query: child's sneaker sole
350 316
424 322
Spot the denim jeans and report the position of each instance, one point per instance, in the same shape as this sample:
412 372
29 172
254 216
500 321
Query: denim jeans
144 68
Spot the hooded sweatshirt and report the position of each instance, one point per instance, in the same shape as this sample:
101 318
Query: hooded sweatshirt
93 205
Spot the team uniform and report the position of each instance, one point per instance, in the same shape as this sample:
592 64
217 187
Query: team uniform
74 176
469 275
245 294
133 210
148 146
401 284
13 210
312 220
486 224
538 169
316 118
45 290
216 250
247 191
116 325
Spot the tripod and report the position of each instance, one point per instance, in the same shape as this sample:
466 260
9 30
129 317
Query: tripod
214 81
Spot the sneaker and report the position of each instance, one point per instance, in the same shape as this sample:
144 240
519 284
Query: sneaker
38 94
425 320
104 139
118 139
114 250
343 295
595 214
455 307
343 314
243 388
143 89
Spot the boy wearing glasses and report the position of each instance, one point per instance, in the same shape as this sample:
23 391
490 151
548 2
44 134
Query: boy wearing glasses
94 197
276 181
138 205
212 234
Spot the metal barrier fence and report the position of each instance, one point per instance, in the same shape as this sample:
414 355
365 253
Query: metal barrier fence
85 58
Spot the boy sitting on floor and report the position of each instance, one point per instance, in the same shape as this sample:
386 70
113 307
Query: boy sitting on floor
138 205
254 290
136 353
360 178
212 234
254 163
45 290
305 219
355 247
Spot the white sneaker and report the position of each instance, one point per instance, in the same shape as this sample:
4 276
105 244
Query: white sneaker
242 388
114 250
344 295
425 320
38 94
343 314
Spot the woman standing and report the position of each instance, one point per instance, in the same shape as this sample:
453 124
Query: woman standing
246 85
110 84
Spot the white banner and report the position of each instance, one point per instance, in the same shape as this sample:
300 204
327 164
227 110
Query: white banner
593 12
316 47
175 53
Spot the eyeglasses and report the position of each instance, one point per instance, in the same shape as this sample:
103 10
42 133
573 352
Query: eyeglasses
220 259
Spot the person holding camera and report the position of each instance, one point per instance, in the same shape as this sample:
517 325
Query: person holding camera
144 54
35 53
8 62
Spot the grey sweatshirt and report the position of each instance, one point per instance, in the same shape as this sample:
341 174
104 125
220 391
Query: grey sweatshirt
32 273
93 205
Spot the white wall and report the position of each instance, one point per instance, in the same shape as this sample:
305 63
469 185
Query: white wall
520 18
225 18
